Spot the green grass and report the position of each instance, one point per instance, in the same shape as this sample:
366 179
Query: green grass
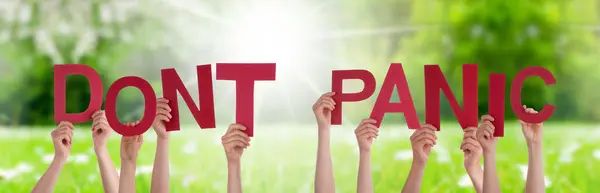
282 159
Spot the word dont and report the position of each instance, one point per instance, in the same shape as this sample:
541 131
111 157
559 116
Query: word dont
245 74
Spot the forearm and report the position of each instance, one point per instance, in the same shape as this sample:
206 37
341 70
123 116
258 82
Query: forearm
476 175
535 172
415 178
234 179
160 172
365 183
324 180
108 171
127 179
48 180
491 183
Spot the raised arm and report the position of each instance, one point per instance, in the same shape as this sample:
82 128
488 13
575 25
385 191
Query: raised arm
535 171
62 138
101 132
366 132
422 141
160 172
234 142
472 152
130 147
485 136
324 180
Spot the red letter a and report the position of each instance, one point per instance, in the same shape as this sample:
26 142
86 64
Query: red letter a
395 77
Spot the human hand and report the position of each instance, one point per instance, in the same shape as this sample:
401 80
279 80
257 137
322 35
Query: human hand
163 115
322 109
422 140
130 146
485 134
101 130
365 133
234 142
472 150
532 131
62 137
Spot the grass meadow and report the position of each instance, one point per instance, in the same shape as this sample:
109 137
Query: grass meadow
281 159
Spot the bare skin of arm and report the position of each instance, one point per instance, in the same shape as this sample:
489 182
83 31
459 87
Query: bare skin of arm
160 171
535 171
234 142
130 147
472 153
485 136
101 132
422 141
62 138
365 133
324 179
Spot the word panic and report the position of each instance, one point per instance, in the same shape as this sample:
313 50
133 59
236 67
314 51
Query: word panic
434 83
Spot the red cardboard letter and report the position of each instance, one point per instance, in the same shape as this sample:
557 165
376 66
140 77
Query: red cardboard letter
395 77
171 83
496 102
149 107
515 94
337 79
435 81
245 74
60 83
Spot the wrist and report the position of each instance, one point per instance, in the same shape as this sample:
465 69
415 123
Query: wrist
416 164
323 126
473 169
489 154
59 160
233 164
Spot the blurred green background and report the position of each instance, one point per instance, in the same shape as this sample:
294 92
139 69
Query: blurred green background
307 39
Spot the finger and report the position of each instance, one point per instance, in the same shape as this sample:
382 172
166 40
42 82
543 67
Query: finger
470 141
487 134
326 106
164 106
162 100
236 133
470 134
100 125
234 144
487 118
429 127
234 127
329 94
230 139
364 126
327 103
66 124
161 117
470 129
428 141
99 119
469 147
367 121
367 132
98 113
163 112
425 137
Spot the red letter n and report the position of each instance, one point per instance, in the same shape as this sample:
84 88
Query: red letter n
205 114
435 81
